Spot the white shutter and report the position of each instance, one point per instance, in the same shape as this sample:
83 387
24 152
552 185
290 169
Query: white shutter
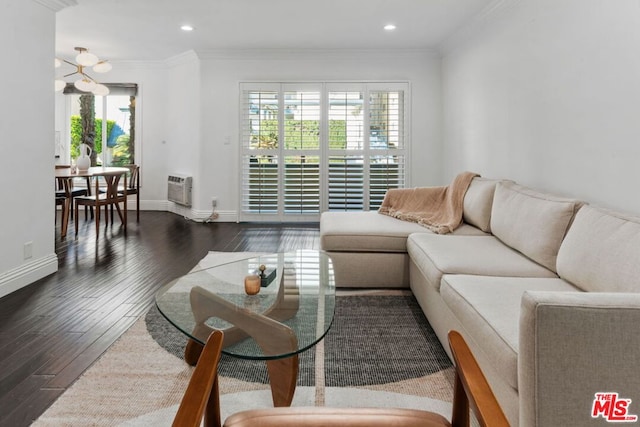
346 171
302 152
386 143
320 146
383 175
346 183
260 175
261 185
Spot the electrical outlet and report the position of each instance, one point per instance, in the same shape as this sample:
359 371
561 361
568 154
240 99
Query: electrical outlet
28 250
214 202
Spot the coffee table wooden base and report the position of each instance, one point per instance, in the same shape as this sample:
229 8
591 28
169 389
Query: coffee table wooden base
272 337
283 373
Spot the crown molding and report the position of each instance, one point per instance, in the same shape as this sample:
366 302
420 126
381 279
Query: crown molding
187 57
314 54
192 56
493 11
56 5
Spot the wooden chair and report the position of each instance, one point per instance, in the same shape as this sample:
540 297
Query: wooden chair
202 390
110 197
73 191
63 199
133 187
470 390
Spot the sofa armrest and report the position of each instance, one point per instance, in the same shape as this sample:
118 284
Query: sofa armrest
572 346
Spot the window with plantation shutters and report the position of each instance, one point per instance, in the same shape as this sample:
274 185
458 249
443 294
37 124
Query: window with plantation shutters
309 148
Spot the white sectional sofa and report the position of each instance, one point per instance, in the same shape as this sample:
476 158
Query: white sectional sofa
545 289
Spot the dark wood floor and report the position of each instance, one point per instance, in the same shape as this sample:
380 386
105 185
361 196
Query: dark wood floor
54 329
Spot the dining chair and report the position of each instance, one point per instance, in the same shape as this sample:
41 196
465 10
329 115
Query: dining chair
109 197
133 187
63 199
74 191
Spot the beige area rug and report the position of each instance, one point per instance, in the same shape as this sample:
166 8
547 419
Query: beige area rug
138 383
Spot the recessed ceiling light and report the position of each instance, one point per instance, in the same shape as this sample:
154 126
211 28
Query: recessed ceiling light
389 27
187 28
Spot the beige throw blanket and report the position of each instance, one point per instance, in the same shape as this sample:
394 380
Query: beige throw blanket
437 208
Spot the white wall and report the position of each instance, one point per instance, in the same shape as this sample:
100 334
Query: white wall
223 71
547 93
154 123
188 112
27 32
184 151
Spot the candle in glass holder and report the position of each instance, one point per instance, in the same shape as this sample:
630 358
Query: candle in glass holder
252 284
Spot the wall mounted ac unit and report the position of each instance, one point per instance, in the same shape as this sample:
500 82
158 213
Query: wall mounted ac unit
179 189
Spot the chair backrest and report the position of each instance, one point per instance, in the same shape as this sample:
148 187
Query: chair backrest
203 380
134 176
59 182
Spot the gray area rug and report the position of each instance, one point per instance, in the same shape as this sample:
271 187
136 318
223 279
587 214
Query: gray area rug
373 340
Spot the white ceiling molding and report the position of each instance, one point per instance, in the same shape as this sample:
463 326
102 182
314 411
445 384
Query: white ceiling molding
139 65
491 12
56 5
182 58
313 54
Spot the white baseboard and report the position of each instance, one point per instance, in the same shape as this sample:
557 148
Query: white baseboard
223 216
188 212
27 273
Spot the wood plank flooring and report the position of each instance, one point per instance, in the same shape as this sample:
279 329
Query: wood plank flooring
54 329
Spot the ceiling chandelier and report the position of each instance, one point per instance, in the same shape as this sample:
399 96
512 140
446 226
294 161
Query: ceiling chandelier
84 83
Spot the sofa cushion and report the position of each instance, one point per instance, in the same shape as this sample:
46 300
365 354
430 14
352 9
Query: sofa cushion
436 255
489 310
601 252
478 201
371 232
531 222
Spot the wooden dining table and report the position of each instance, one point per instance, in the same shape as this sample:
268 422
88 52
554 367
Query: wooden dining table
64 176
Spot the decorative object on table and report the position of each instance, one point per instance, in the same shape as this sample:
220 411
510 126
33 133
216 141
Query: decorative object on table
84 160
84 83
252 284
266 275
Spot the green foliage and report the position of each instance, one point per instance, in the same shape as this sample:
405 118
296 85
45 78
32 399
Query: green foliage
301 135
76 135
121 153
337 134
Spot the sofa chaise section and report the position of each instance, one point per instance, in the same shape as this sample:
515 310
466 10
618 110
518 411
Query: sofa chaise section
370 250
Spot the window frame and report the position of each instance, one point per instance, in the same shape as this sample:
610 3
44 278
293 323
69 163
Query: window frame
325 152
63 145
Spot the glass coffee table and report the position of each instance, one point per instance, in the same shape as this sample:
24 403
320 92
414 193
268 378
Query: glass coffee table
290 314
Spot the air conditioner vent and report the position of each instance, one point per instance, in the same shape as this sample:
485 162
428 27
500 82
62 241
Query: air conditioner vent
179 189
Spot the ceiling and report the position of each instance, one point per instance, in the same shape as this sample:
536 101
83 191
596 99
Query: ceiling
150 29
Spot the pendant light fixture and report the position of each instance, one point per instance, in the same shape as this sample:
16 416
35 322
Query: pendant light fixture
84 82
